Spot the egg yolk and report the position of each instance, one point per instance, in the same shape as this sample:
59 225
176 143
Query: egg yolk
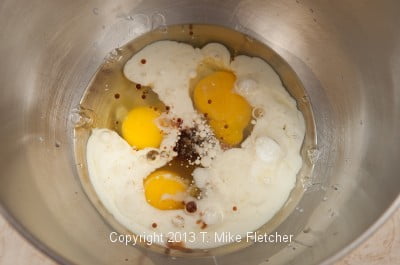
139 128
162 189
228 112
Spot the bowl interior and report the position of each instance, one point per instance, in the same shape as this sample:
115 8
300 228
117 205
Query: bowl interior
346 55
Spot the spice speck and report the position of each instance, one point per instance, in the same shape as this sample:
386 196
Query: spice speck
191 207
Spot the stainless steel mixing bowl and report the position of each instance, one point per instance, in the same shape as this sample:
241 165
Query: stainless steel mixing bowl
346 53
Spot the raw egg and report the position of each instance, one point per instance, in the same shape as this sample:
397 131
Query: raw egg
164 190
140 130
228 112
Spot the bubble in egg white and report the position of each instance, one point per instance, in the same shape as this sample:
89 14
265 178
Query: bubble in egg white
200 176
203 134
267 149
105 136
217 52
245 86
213 216
178 221
257 113
192 73
206 161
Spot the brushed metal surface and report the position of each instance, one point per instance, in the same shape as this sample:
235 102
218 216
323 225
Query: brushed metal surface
346 53
379 249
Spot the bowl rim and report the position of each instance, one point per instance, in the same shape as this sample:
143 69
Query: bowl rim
55 256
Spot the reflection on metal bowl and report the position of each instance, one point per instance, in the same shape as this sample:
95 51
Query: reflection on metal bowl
345 54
